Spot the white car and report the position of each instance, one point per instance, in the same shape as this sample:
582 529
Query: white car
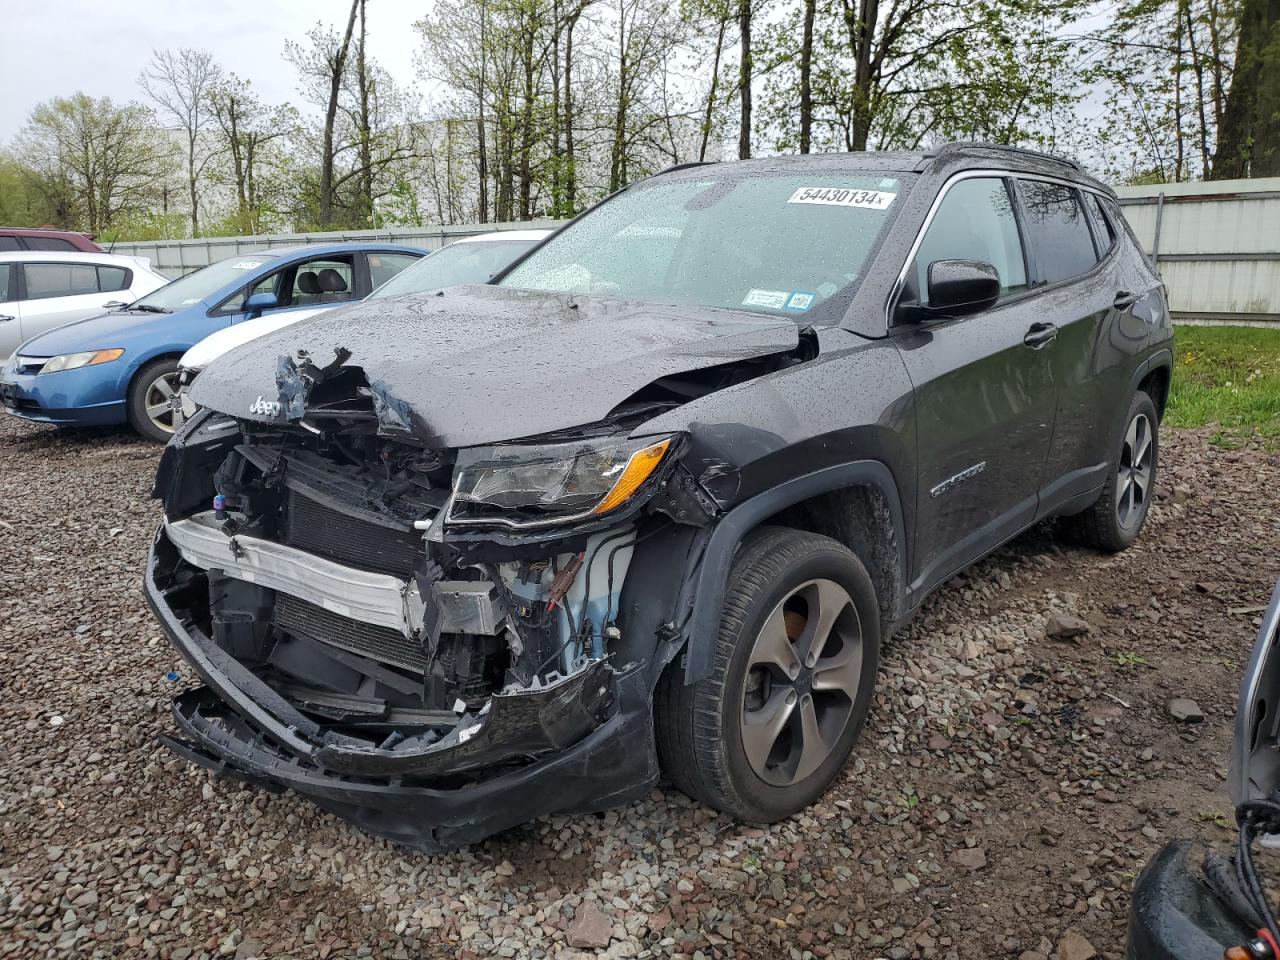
40 290
469 260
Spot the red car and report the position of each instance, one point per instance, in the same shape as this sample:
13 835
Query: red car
37 238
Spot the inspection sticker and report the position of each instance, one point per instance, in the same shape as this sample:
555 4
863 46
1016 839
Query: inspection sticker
773 299
842 197
800 301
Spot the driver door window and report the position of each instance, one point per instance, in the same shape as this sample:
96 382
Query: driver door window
315 282
975 221
325 280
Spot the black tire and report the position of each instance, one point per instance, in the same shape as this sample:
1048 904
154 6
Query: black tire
699 726
1109 524
137 401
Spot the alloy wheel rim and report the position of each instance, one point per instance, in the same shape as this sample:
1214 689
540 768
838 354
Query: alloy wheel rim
1135 473
802 682
162 403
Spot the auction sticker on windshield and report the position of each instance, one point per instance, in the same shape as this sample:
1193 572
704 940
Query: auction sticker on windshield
773 299
842 197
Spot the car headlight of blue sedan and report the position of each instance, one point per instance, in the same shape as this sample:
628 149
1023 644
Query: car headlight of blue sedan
89 358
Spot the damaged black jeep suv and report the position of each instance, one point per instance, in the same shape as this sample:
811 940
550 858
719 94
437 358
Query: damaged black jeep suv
649 502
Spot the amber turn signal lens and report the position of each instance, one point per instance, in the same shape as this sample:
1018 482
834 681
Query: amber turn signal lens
638 469
106 356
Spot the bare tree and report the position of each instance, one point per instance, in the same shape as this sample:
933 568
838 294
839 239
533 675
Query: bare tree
744 78
323 66
178 82
106 157
246 129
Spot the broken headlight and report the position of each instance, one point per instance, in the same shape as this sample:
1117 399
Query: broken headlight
545 484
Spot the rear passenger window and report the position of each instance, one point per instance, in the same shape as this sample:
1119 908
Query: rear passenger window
975 221
1107 232
112 278
1056 230
4 281
49 243
9 243
59 280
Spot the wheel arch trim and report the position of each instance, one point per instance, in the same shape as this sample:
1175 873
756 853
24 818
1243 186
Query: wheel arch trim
707 580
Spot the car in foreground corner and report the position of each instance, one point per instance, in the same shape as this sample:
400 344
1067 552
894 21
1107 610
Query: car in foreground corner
469 260
40 291
1189 907
122 366
649 501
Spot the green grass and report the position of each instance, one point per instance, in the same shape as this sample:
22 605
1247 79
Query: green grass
1228 377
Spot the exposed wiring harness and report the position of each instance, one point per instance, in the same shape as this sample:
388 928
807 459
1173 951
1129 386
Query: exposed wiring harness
1256 818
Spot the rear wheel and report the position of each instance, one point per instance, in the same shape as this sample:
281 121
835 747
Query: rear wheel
1113 522
795 668
153 399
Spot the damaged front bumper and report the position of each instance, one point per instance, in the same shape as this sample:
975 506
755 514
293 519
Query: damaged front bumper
573 743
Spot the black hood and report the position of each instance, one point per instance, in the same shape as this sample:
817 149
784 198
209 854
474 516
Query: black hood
481 364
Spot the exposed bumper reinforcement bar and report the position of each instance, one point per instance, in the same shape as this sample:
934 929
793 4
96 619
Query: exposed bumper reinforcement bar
375 598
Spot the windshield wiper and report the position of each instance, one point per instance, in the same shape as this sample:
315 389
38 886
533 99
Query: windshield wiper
148 308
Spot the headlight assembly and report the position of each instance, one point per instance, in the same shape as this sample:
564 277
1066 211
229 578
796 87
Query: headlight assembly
546 484
72 361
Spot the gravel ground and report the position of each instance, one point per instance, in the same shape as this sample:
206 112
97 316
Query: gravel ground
1007 790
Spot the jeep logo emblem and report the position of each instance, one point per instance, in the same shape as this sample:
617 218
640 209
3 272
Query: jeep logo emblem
265 408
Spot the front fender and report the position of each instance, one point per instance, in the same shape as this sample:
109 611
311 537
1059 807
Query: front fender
707 579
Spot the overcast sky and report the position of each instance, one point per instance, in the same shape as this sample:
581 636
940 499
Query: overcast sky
51 48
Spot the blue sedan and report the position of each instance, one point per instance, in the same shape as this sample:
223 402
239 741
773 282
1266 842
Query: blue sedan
121 367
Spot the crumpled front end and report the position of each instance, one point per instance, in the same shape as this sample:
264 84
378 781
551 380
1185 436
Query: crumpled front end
432 680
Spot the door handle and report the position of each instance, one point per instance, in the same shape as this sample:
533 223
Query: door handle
4 319
1124 300
1039 334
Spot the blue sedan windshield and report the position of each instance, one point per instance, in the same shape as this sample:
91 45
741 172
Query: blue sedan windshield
473 261
197 286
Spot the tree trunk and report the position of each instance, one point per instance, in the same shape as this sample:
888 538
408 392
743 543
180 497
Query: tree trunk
862 34
337 68
482 159
570 171
711 93
744 79
1198 67
366 137
191 182
617 158
526 125
1249 139
806 76
1177 95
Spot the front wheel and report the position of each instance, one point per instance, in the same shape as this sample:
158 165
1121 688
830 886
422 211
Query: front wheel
795 669
153 402
1113 522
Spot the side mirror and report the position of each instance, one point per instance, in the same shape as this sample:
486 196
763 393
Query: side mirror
259 302
957 288
114 305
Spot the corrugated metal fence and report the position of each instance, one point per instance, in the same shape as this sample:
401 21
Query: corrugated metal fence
175 257
1217 244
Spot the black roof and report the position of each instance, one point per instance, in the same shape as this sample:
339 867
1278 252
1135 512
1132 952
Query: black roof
937 159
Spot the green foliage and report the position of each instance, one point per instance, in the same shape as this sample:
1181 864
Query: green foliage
25 198
995 70
1229 376
146 225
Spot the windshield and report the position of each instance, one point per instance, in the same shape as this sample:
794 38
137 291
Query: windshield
782 243
194 287
472 261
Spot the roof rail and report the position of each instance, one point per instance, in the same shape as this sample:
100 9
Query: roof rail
960 146
685 166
